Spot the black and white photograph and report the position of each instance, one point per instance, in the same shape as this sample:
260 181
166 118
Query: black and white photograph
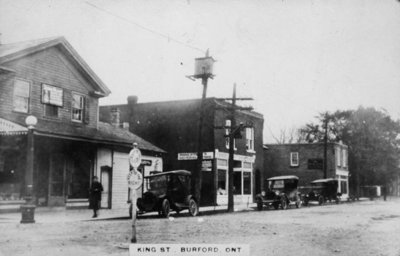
200 127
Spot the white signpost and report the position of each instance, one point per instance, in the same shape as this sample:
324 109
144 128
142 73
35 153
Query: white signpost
135 181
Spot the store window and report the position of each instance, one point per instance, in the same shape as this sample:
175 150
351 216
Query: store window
78 105
222 186
294 159
246 183
250 139
237 183
343 187
21 96
11 176
79 177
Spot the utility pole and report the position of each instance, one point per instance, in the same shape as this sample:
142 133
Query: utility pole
203 70
234 132
326 119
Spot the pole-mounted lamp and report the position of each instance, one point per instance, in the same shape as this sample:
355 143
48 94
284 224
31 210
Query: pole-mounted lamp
28 209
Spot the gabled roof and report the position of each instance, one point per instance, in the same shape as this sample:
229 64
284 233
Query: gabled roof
13 51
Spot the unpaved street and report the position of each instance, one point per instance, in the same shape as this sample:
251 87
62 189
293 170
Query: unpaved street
360 228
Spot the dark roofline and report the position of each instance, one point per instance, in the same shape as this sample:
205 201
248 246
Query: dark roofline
267 146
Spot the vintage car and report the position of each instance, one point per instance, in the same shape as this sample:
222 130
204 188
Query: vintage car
322 190
167 191
281 191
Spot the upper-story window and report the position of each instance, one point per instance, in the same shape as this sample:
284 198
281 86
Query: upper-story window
227 131
344 158
22 91
250 139
52 98
78 107
338 157
294 158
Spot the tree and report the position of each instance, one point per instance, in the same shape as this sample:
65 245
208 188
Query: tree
372 137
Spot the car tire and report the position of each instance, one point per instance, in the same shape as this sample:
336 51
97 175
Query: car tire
321 200
165 208
259 205
193 207
284 204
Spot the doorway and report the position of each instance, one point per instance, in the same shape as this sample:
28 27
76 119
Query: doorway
57 176
105 179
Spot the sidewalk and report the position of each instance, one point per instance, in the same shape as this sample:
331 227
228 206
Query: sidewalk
60 214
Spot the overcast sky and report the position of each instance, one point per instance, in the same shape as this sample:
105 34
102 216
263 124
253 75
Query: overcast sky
296 58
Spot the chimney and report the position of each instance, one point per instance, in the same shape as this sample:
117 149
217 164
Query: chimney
115 117
132 100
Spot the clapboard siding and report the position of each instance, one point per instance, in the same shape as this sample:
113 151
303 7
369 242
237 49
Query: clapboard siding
51 67
119 182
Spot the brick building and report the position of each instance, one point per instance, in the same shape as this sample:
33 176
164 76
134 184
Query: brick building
49 80
306 162
173 125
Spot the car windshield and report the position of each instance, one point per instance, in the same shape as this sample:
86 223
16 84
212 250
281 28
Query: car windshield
276 184
157 182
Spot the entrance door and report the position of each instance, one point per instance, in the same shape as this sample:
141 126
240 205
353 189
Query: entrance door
105 179
56 180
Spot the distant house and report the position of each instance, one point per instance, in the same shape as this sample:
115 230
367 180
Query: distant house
306 161
173 125
49 80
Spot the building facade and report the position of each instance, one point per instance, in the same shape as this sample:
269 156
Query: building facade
306 161
49 80
173 125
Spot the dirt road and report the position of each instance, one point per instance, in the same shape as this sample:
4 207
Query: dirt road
361 228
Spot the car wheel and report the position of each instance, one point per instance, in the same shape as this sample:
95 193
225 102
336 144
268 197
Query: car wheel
259 205
320 200
284 204
165 208
193 207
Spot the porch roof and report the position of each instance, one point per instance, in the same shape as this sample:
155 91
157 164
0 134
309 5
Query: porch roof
11 128
104 134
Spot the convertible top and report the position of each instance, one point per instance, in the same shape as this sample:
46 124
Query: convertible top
322 180
286 177
177 172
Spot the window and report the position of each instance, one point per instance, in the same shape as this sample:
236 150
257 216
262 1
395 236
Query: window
250 139
78 105
246 183
222 187
52 95
294 159
21 96
338 157
227 131
50 110
344 158
237 183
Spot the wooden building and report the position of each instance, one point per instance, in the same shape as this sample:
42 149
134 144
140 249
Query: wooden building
49 80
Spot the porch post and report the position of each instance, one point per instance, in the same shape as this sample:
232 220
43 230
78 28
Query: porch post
28 209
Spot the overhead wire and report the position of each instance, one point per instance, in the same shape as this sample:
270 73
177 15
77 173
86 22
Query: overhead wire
150 30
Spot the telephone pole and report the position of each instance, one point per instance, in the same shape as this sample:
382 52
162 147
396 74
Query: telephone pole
326 120
234 132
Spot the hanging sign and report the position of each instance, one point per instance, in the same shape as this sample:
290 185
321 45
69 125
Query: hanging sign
135 158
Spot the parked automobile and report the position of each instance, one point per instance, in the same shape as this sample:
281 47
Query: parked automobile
322 190
281 191
167 191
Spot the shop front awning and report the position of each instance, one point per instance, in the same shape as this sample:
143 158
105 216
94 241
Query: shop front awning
11 128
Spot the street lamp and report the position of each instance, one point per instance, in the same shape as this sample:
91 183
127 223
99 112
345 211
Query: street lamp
28 209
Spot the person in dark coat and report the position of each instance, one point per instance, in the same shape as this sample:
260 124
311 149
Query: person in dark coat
95 196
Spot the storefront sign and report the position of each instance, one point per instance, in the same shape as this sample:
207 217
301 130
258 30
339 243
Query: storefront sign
207 165
189 249
193 156
146 162
52 95
315 163
135 158
242 158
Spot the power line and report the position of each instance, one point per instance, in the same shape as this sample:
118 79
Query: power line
145 28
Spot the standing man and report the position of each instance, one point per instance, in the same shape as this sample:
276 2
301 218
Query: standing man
135 180
95 196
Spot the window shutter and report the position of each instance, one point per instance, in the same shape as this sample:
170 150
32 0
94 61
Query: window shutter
86 115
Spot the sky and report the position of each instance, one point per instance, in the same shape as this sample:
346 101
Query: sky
296 58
